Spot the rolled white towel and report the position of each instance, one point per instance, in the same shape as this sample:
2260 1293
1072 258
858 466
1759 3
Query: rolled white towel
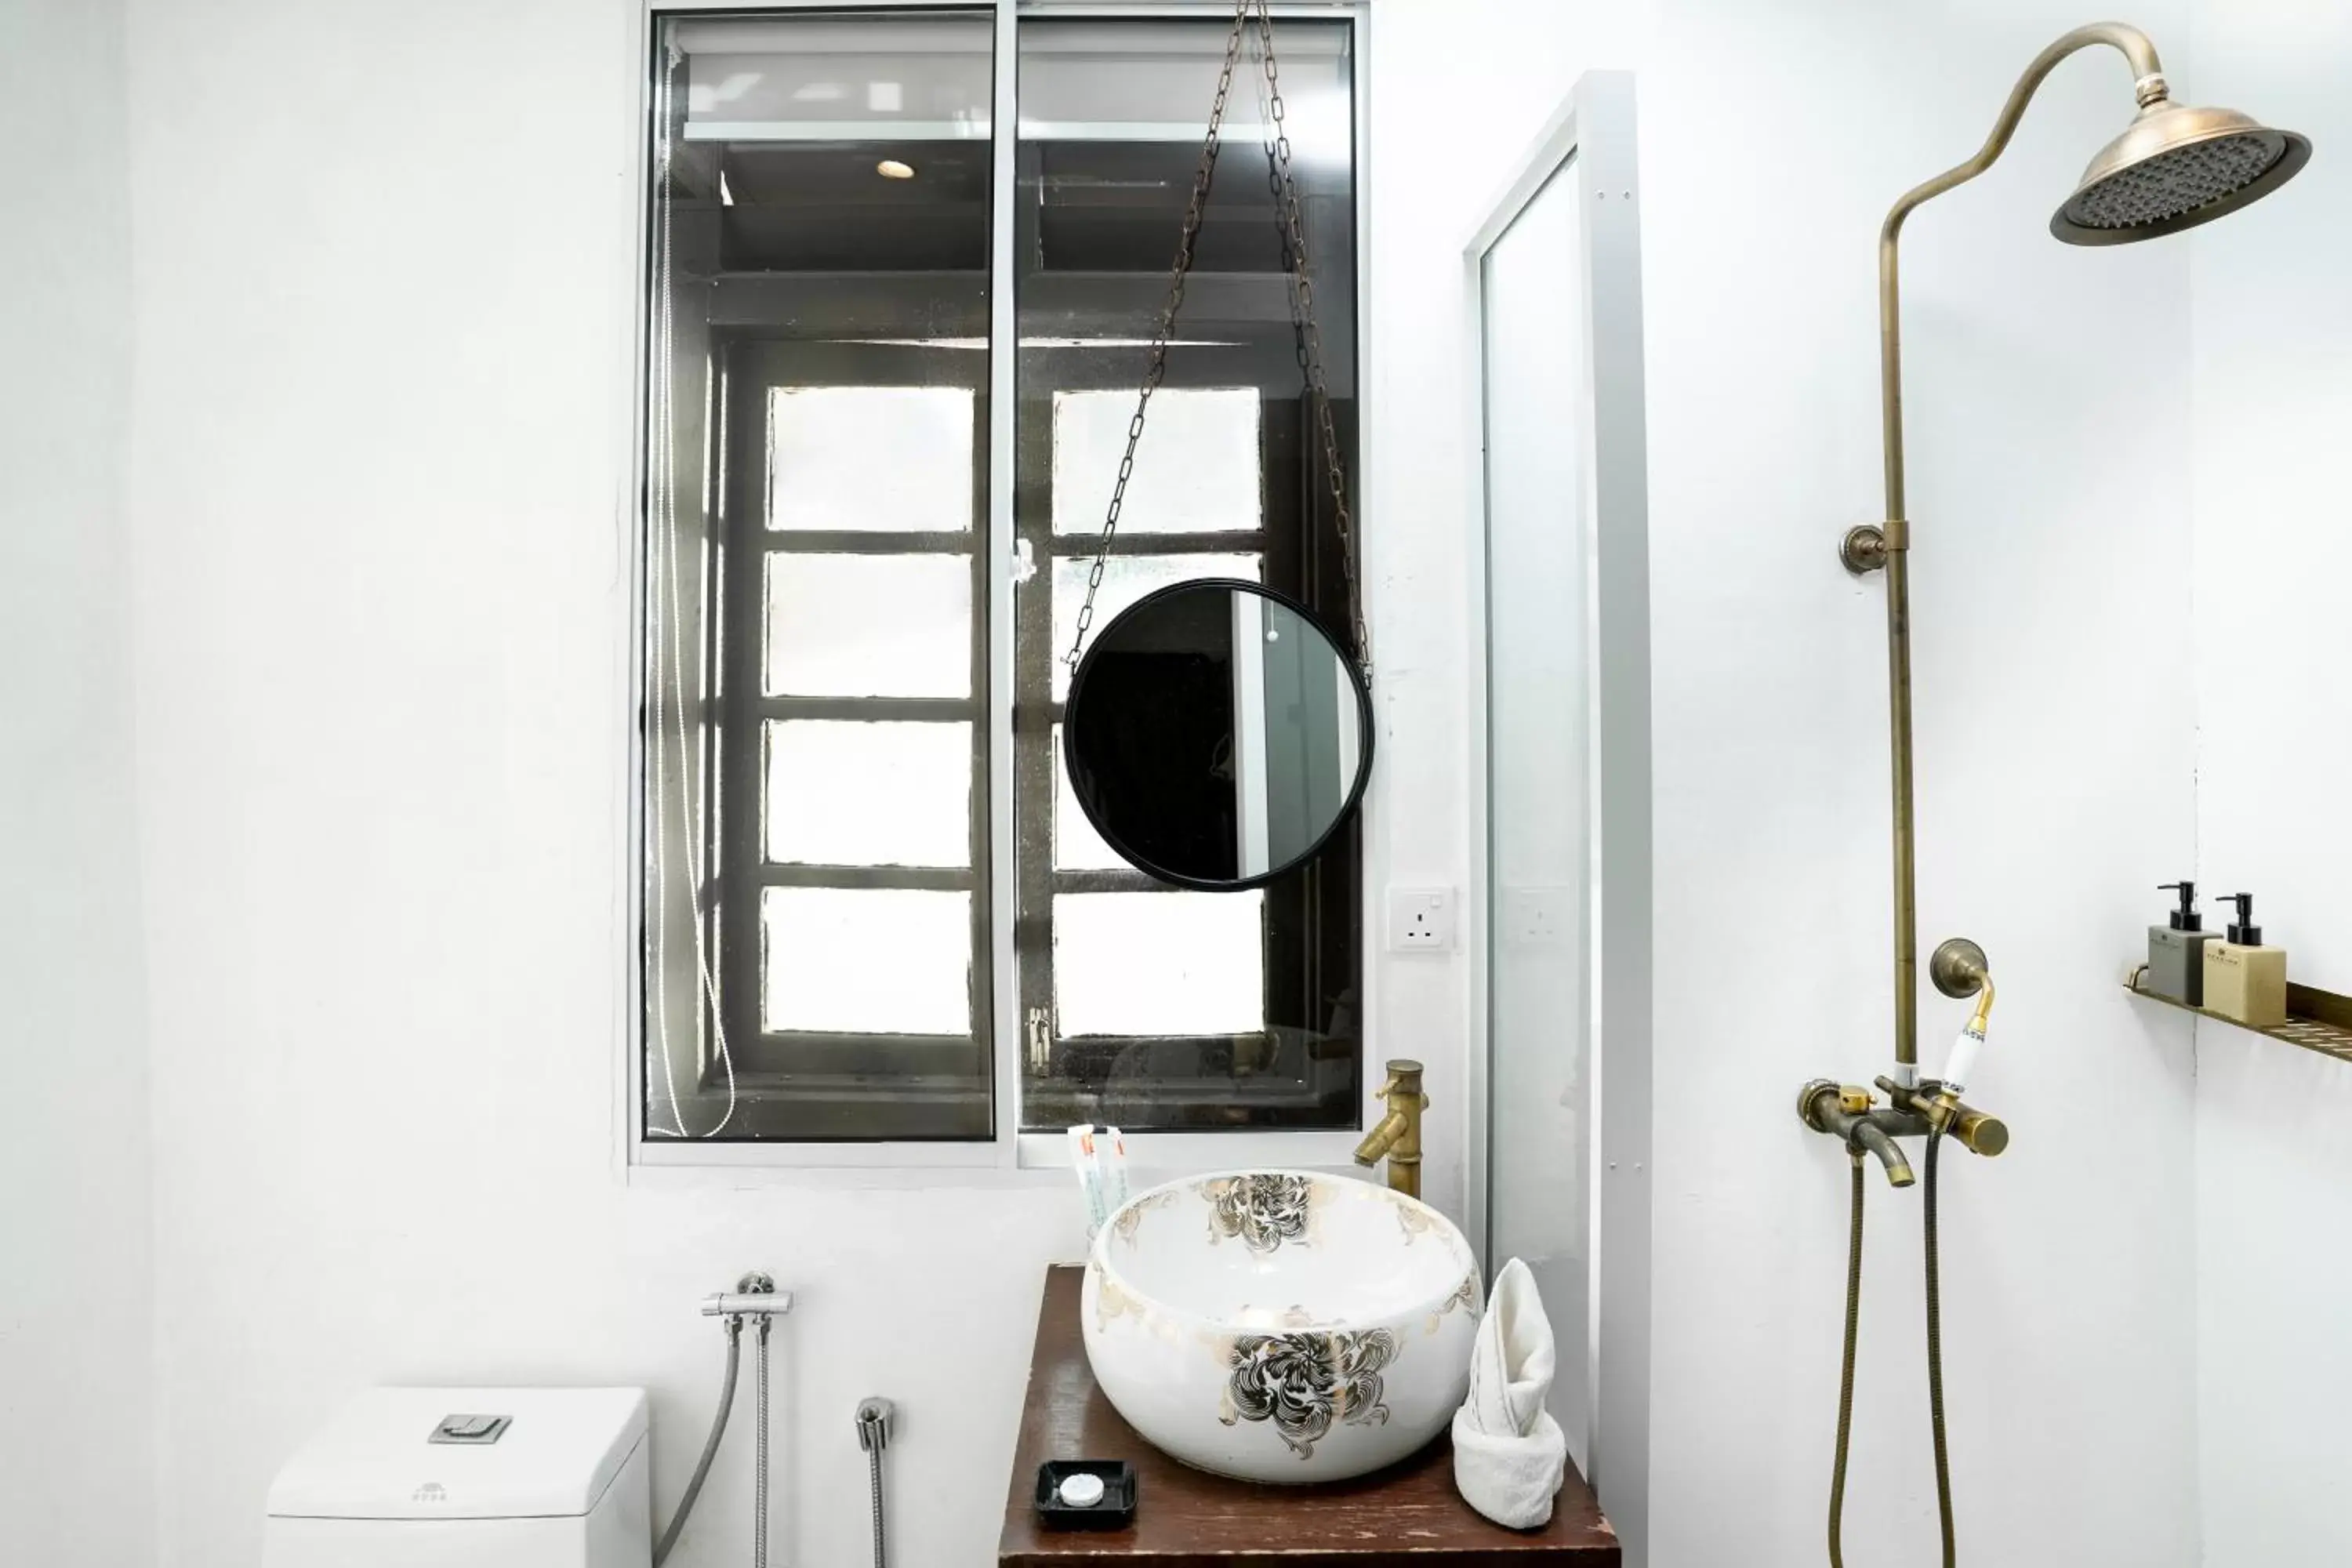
1510 1454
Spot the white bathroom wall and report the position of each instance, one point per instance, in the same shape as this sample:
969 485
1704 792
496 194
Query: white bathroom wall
2272 378
384 283
378 495
381 399
2049 417
76 1257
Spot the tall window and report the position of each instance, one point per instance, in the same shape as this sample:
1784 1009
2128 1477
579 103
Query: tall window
826 723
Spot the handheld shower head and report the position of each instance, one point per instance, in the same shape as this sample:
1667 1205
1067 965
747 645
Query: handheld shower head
1960 971
2175 168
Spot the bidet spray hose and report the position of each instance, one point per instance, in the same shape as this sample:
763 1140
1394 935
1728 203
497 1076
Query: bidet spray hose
760 1482
873 1436
710 1449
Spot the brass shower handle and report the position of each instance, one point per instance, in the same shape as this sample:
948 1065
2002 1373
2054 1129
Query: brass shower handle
1977 1131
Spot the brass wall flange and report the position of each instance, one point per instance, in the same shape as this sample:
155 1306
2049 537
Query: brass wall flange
1958 968
1864 550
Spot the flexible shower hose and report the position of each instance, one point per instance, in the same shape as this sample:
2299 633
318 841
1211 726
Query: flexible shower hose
710 1448
1845 1371
1936 1353
1934 1363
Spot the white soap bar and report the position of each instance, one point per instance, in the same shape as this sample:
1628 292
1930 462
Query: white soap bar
1082 1491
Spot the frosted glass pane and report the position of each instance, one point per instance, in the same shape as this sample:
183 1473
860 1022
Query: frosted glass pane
1142 70
866 961
1195 472
853 793
1538 593
870 459
1077 846
820 77
1159 963
869 625
1126 579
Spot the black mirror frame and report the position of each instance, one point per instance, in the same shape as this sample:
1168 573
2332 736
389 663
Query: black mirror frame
1357 681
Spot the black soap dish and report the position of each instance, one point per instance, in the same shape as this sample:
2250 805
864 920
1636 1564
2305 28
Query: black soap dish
1115 1510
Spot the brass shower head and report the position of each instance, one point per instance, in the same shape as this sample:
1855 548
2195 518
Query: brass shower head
2175 168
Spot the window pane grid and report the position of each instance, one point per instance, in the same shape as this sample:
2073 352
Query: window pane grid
849 459
879 793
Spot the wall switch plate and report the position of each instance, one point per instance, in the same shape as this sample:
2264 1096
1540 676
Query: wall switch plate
1421 920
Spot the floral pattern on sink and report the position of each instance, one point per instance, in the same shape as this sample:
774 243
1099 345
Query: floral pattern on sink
1302 1382
1263 1211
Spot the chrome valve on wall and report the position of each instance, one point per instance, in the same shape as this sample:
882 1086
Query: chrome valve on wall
2173 168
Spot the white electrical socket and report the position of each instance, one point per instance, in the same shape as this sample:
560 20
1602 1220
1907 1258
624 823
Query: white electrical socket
1421 920
1536 917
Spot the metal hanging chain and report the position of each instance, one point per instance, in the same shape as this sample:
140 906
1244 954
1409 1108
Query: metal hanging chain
1307 335
1155 367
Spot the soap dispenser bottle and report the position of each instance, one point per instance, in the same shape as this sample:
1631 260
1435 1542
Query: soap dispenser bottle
2244 980
2175 951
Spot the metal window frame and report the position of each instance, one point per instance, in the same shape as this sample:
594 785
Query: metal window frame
1590 140
1010 1157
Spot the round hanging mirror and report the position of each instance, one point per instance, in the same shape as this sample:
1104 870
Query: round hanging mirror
1216 736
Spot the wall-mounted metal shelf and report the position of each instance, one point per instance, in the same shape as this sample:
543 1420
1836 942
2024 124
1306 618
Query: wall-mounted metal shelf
2317 1020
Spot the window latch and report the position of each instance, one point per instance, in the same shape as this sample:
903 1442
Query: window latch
1024 564
1041 1042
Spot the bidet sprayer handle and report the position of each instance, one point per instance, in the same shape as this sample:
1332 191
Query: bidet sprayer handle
873 1420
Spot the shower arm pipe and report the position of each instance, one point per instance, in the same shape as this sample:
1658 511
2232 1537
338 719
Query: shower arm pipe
1888 546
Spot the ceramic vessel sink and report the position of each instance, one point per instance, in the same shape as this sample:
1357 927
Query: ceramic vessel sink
1281 1326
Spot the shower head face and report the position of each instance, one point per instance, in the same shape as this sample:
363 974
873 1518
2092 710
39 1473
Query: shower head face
2175 168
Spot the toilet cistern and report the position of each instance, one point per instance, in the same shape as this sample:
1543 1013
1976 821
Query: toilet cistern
427 1478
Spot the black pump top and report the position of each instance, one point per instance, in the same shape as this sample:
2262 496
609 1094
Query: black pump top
2185 917
2243 931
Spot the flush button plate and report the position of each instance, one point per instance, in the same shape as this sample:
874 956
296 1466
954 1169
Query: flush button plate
471 1430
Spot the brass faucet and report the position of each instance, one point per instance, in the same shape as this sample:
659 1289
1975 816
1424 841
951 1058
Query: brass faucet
1399 1134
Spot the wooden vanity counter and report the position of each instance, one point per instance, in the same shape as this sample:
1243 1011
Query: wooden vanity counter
1406 1515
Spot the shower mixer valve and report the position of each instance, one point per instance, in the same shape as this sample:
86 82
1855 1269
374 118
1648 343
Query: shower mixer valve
1852 1113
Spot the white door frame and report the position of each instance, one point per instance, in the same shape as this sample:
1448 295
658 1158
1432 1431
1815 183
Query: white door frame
1590 140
